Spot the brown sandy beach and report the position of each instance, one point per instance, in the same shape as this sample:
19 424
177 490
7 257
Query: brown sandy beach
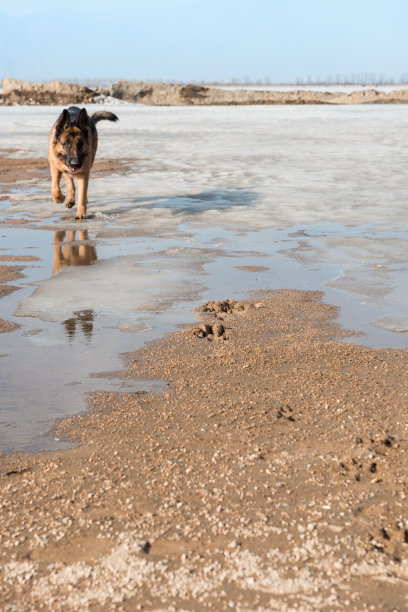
270 475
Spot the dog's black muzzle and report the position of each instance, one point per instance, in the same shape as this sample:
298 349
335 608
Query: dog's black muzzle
74 164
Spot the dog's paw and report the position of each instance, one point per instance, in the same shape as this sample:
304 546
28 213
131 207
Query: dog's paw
58 198
70 204
79 217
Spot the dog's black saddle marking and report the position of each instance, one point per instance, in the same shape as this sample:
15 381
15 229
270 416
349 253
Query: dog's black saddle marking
73 113
73 116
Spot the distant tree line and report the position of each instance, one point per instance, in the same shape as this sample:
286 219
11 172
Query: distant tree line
361 78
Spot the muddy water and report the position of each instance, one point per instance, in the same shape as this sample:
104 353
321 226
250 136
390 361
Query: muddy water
256 198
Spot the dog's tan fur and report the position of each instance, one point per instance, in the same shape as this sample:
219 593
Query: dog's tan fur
72 147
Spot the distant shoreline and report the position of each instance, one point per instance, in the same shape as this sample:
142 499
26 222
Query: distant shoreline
15 92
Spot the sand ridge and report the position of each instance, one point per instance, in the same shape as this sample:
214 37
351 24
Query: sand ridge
16 169
17 92
270 475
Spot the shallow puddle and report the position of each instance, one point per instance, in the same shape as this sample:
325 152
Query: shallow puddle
88 300
73 308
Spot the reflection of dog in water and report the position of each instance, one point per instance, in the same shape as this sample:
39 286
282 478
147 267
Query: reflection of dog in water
72 253
84 320
75 253
72 148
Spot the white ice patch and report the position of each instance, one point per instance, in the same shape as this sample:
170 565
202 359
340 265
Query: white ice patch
132 327
116 286
394 324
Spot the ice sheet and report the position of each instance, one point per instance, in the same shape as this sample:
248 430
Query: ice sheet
292 165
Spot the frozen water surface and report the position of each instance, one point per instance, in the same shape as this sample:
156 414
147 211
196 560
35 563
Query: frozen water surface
314 196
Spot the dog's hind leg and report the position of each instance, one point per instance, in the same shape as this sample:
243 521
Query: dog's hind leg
71 191
82 197
57 195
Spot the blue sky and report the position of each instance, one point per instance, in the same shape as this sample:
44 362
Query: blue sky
194 40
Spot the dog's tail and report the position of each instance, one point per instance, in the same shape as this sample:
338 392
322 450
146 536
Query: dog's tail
100 115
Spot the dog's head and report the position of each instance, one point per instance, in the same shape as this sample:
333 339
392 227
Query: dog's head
71 140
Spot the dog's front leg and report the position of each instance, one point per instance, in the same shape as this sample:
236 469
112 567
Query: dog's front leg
71 190
82 197
55 185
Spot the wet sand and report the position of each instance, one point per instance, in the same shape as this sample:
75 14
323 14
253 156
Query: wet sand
18 169
9 273
270 475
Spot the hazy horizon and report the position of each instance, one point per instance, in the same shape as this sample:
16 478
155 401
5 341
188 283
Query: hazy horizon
329 83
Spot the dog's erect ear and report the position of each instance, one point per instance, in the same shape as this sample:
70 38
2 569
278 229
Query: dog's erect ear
62 123
82 119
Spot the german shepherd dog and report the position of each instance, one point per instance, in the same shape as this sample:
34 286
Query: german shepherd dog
72 148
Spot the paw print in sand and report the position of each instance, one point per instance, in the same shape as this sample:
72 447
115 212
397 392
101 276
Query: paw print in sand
210 331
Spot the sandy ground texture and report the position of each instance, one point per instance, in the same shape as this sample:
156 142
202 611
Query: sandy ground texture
270 474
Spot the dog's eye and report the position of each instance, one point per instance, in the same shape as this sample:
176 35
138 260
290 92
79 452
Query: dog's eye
66 143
